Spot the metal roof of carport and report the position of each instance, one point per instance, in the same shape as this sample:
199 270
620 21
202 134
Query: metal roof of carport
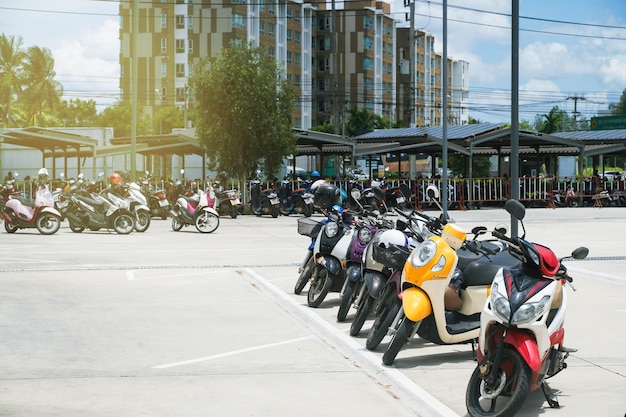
49 141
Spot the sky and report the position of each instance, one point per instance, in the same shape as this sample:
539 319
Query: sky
572 52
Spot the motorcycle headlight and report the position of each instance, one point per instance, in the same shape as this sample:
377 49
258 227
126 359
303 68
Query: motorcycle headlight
424 253
500 304
365 235
331 229
530 311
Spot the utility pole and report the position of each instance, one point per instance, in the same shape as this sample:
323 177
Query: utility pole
334 53
576 98
411 5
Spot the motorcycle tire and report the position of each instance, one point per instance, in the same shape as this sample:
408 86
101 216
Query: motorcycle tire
123 223
233 211
176 225
405 329
347 299
48 224
275 211
207 222
363 312
386 311
9 227
75 228
164 213
508 397
320 286
305 276
142 223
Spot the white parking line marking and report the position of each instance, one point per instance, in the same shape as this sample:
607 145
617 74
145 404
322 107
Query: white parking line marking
234 352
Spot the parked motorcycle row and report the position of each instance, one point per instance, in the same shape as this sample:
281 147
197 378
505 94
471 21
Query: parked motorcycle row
420 276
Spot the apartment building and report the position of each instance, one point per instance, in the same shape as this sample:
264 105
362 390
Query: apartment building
175 34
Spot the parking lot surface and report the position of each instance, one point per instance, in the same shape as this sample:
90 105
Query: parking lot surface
167 323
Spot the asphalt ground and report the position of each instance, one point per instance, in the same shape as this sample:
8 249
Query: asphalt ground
168 323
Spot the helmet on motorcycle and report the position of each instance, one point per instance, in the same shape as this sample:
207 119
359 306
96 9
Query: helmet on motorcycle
325 195
392 237
315 175
115 178
42 176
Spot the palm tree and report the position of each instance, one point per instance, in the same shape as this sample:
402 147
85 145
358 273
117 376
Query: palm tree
11 69
42 92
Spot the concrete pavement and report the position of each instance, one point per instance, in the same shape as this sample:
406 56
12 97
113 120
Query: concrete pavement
184 324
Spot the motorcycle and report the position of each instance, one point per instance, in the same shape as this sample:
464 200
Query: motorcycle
136 201
196 209
9 188
433 309
521 331
89 209
157 200
294 200
263 201
331 246
22 213
228 202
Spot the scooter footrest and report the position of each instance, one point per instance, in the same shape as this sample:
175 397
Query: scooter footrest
568 350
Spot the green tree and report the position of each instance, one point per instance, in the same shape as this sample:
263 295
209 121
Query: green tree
362 121
620 107
42 93
11 68
168 118
243 111
551 122
119 116
77 112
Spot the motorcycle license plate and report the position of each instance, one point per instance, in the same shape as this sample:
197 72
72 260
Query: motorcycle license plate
308 200
163 203
236 201
400 200
275 201
62 204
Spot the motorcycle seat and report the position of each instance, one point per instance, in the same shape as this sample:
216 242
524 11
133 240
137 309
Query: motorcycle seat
483 270
25 201
298 191
91 201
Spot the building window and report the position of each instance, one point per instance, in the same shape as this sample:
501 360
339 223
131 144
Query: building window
163 21
261 5
288 57
298 35
239 21
190 46
180 46
262 28
368 63
271 8
180 21
368 43
298 15
189 22
289 35
289 13
180 94
272 51
238 1
369 84
368 22
271 30
298 59
163 70
163 45
180 70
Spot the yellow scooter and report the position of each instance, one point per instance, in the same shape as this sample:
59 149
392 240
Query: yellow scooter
433 308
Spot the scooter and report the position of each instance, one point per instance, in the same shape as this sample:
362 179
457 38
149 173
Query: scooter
23 213
264 201
157 200
227 201
294 200
196 209
430 307
9 188
311 228
521 331
91 210
136 201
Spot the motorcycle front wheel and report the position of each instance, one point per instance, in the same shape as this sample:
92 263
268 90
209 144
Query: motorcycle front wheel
386 311
405 329
346 300
143 221
320 286
305 276
48 224
10 227
506 396
176 225
123 224
207 222
362 313
75 228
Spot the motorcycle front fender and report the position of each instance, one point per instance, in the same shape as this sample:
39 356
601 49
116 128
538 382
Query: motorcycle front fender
140 207
210 210
416 304
525 346
331 264
51 210
375 282
354 272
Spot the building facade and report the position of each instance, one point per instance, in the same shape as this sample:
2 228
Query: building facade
370 50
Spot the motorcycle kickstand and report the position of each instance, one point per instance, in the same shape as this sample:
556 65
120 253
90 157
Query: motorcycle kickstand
553 402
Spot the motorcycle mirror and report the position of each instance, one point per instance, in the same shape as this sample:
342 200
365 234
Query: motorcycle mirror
515 209
182 171
500 228
580 253
386 169
432 192
147 172
479 230
355 193
81 176
258 172
100 174
62 175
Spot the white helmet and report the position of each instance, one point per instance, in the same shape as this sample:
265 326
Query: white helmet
42 171
42 176
392 237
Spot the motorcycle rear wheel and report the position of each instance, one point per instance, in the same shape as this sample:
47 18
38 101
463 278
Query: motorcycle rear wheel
176 225
75 228
48 224
398 341
320 287
207 222
513 384
123 224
